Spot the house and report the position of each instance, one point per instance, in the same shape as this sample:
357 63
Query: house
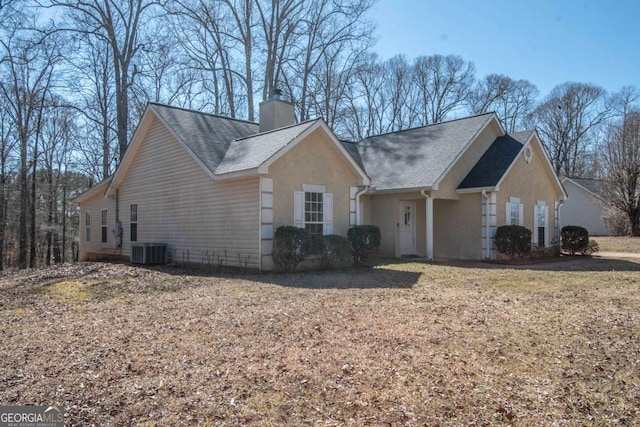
214 188
586 205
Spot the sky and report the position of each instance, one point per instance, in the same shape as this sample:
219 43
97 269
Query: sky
547 42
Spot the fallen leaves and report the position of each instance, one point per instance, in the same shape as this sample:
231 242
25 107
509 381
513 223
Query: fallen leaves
451 345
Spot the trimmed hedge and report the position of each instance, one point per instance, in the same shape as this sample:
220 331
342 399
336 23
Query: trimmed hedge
513 240
365 242
336 251
290 246
575 239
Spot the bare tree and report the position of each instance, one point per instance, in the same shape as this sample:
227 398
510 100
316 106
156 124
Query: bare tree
92 80
58 131
326 27
367 100
512 100
443 84
620 156
28 62
567 120
118 23
399 79
278 21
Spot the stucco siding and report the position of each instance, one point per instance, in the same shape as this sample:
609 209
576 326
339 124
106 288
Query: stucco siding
457 227
529 182
584 209
315 161
383 210
200 219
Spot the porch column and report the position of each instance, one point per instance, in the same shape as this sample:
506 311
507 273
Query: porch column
429 225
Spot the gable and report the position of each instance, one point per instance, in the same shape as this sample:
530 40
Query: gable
493 164
204 137
534 177
420 157
594 187
314 159
255 154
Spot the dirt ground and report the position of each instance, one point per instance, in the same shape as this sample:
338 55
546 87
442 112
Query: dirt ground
555 344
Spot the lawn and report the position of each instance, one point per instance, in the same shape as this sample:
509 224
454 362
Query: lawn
618 244
401 344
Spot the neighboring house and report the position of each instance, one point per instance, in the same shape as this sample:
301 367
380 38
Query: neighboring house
586 205
211 187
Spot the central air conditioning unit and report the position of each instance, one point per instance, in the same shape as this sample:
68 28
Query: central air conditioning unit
148 253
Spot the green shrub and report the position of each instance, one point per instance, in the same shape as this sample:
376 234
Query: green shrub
336 251
365 242
592 248
575 239
290 245
513 240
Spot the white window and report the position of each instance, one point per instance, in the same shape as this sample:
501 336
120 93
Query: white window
104 226
133 223
313 210
87 225
540 224
514 212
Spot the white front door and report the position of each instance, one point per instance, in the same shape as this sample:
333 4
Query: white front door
407 228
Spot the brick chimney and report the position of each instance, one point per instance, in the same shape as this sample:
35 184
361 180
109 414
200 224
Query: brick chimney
275 112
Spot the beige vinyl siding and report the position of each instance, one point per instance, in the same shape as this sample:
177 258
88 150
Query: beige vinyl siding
181 205
584 209
95 205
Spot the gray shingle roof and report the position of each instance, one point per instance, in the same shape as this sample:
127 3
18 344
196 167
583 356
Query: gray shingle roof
493 164
596 186
251 152
208 136
417 157
522 136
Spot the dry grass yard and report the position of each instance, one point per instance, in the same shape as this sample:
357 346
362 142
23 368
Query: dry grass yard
412 344
618 244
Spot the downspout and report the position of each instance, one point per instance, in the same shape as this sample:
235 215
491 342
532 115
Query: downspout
428 218
558 228
487 224
358 194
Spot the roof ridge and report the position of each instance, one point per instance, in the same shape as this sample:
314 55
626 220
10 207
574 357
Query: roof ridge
278 129
188 110
429 125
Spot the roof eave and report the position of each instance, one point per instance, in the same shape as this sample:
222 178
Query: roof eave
373 190
477 189
566 178
90 192
245 173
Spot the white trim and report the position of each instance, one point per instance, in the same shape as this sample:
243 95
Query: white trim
400 211
536 224
314 188
298 209
477 190
327 213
